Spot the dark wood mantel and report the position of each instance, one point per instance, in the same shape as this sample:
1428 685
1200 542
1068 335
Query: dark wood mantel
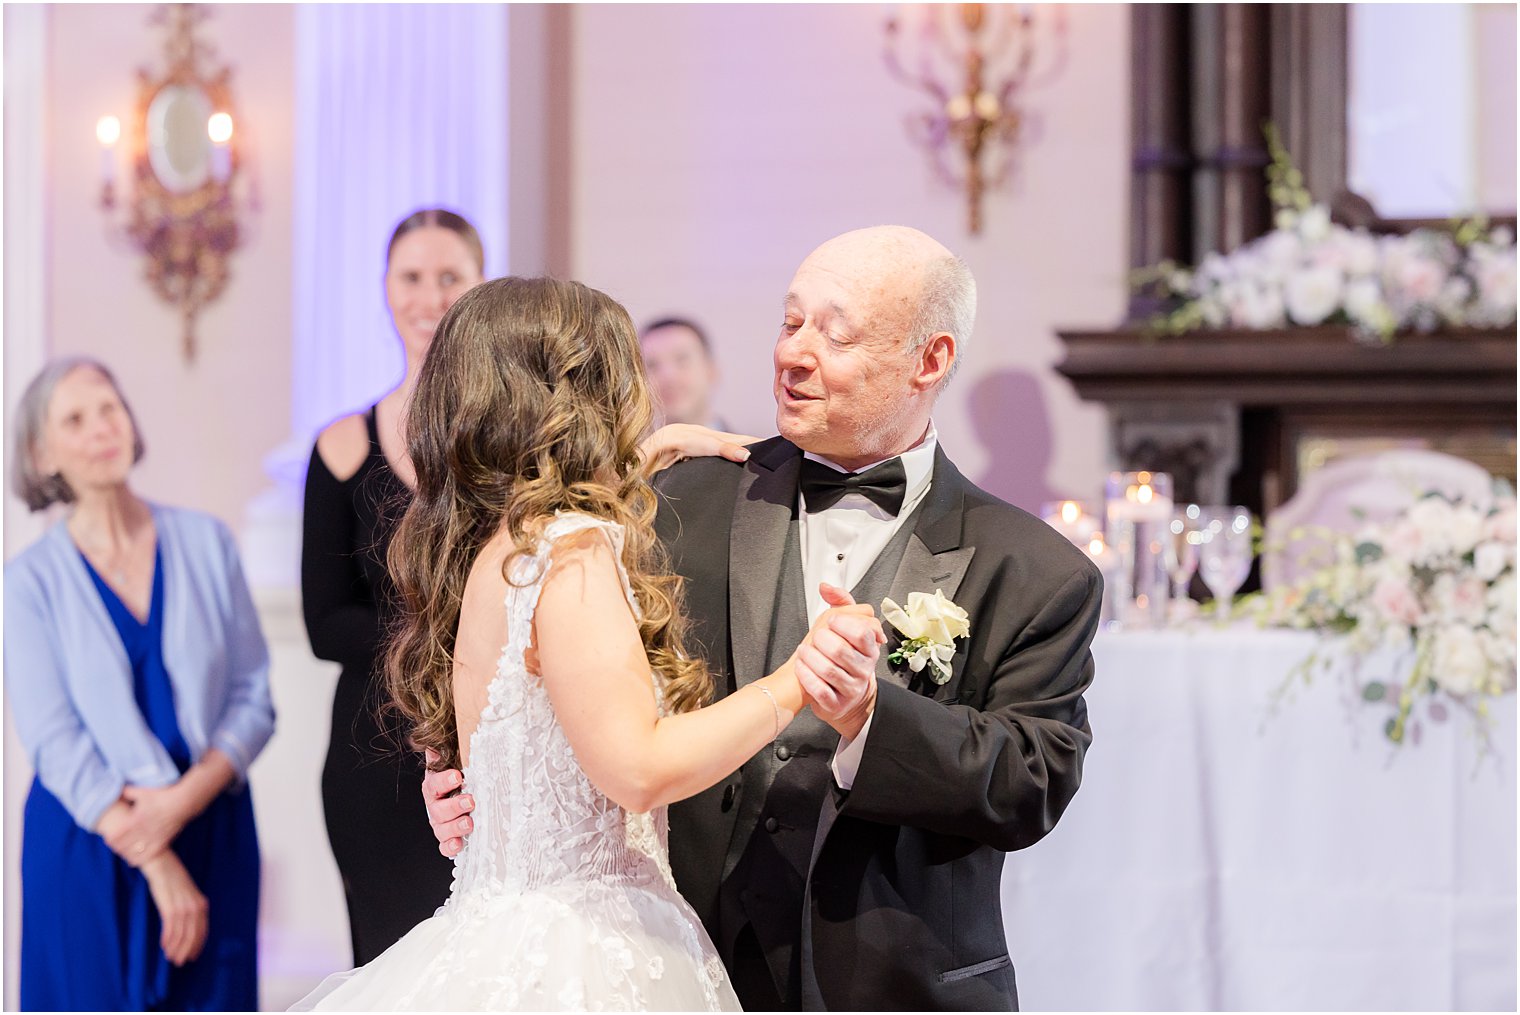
1296 365
1235 414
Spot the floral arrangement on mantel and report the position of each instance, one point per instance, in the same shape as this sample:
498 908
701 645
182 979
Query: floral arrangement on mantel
1311 271
1435 585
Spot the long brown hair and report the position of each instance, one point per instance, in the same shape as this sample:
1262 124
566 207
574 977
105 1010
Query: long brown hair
531 400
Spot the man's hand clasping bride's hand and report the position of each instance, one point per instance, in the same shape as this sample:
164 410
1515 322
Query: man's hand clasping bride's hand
836 662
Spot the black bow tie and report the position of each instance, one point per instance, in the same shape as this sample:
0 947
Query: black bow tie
884 485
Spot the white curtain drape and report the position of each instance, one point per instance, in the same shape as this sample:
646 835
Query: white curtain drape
399 107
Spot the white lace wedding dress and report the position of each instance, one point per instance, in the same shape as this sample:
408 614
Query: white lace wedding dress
562 900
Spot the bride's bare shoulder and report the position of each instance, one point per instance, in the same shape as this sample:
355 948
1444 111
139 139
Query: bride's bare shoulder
481 620
481 635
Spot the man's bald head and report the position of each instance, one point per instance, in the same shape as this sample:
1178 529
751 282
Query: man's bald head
919 279
873 324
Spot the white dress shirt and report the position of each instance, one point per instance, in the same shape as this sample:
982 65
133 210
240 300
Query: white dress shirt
840 544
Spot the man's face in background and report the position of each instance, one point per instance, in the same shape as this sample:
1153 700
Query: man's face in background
681 374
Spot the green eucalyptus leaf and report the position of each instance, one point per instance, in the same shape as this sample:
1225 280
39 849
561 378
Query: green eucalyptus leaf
1366 553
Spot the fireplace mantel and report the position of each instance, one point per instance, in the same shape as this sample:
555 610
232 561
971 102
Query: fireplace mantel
1233 414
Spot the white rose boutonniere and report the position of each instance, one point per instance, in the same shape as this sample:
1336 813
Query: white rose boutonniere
929 626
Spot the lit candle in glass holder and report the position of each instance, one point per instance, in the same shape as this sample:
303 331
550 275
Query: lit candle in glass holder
1139 508
1070 518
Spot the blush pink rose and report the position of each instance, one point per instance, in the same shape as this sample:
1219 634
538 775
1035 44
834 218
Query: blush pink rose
1396 601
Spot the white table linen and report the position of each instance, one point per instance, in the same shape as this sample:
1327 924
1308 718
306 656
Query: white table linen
1226 854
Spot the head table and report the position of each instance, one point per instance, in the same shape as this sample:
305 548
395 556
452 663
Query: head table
1234 848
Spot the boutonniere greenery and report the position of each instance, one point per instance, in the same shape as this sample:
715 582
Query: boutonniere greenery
929 627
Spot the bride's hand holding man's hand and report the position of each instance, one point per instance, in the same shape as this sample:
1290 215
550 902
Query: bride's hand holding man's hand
836 662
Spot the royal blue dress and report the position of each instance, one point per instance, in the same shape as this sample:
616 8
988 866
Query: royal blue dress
89 928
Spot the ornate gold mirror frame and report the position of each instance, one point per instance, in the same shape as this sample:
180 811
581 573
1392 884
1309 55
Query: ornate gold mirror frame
183 162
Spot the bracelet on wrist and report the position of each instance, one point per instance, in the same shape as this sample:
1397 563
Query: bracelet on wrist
775 708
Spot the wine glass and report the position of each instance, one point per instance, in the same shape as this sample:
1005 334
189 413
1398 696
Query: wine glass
1224 552
1184 535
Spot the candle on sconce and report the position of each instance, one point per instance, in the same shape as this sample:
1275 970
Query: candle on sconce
108 133
219 129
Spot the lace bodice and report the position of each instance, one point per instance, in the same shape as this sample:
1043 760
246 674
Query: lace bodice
539 821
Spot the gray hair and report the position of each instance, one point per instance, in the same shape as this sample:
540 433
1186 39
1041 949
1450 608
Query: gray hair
38 490
946 304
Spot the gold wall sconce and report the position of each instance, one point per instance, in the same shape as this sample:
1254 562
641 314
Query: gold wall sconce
972 60
182 164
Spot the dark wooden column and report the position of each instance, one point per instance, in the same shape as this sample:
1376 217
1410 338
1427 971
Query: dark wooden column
1161 224
1309 75
1231 101
1201 89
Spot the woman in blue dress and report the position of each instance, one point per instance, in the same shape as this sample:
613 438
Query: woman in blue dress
138 678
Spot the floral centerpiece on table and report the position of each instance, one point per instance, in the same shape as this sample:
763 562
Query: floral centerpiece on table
1310 270
1436 585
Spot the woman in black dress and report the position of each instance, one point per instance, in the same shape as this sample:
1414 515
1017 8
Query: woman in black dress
357 487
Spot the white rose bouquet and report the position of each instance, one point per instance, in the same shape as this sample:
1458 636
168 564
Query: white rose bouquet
1436 585
1310 270
929 626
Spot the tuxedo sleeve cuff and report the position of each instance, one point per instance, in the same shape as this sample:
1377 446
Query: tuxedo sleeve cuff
846 760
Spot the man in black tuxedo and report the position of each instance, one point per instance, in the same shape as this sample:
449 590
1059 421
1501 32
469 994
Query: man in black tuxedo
856 863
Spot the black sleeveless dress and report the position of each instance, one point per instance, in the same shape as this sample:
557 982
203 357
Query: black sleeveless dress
393 875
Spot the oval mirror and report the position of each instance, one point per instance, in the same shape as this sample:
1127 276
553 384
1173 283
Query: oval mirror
178 149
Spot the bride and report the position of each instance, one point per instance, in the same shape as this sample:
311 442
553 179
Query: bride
542 649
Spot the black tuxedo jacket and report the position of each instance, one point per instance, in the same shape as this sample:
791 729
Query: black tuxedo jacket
903 900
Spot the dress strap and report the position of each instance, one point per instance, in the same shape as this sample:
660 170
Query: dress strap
372 427
567 523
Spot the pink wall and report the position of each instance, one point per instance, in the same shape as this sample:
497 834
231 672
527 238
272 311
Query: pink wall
710 149
713 147
207 425
1494 34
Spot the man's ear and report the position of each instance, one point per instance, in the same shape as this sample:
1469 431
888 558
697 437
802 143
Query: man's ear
934 361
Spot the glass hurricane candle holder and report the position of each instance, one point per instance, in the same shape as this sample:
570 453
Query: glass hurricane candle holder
1138 510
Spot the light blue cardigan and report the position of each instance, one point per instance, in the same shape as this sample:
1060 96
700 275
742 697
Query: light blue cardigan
69 682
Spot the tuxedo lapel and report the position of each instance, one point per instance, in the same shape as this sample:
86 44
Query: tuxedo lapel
767 498
933 560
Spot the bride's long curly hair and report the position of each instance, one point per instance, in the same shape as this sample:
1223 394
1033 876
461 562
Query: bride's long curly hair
532 399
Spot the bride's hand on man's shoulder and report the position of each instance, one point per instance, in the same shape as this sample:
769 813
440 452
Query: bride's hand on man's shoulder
448 815
674 442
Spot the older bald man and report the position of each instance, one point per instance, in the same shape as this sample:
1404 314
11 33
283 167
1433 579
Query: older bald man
855 864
